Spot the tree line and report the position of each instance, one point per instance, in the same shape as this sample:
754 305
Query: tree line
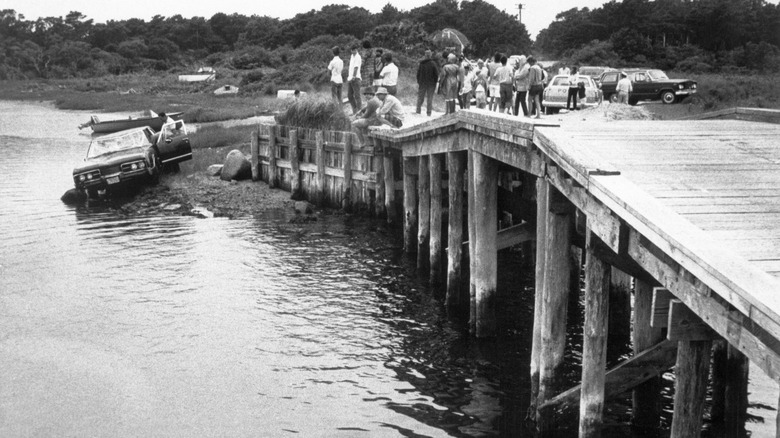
693 35
76 46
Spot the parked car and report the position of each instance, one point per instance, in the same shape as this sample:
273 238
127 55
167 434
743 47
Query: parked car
594 72
131 157
648 84
557 92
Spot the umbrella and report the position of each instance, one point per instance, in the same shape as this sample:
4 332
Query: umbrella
450 38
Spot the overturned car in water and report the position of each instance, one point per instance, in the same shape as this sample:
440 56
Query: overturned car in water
130 158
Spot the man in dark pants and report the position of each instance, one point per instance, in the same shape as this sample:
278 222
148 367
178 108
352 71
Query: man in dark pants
427 76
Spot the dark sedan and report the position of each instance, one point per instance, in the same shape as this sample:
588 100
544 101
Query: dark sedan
648 84
132 157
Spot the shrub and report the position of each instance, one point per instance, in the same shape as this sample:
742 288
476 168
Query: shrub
315 113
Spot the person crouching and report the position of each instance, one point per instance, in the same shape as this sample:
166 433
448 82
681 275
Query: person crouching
380 109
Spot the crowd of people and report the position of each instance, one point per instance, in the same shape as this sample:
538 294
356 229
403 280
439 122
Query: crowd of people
497 85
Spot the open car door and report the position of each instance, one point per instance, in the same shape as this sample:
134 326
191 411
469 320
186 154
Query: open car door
173 144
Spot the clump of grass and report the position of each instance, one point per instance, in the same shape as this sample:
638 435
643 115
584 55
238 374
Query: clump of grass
315 112
219 136
627 112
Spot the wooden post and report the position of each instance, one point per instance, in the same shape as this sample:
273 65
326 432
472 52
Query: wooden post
295 167
692 372
485 250
456 165
472 243
594 341
646 397
436 220
555 295
381 181
729 389
347 202
272 169
255 156
320 159
541 238
410 206
389 178
424 212
619 311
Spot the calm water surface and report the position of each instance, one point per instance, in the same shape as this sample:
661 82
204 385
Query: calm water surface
115 325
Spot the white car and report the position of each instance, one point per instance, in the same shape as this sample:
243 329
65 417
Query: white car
557 92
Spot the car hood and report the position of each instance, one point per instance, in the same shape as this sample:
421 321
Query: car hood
112 158
674 81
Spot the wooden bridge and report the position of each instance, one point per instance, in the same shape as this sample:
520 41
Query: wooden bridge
689 209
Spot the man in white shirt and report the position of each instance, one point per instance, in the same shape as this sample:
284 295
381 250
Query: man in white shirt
389 75
335 67
624 88
354 80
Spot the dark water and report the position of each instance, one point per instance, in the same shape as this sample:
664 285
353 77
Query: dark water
117 325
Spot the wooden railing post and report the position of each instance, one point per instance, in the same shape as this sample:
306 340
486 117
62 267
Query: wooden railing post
472 216
255 156
436 220
347 202
646 397
541 238
410 205
456 166
320 159
295 167
381 182
423 212
272 169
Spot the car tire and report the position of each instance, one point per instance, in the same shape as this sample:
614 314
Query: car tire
613 98
632 102
668 97
92 193
156 170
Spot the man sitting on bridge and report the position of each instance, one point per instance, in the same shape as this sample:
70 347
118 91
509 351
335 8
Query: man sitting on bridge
380 109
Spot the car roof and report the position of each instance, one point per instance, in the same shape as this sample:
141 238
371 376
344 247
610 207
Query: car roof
120 133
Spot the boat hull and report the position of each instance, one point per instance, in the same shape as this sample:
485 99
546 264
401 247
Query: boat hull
155 123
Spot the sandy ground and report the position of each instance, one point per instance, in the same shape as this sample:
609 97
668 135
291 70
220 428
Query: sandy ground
202 195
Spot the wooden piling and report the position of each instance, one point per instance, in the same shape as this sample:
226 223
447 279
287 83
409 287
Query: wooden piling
423 212
485 250
273 171
319 145
472 243
729 389
389 185
435 260
347 189
456 167
594 341
381 182
691 374
295 167
619 311
255 156
646 397
555 294
410 205
541 238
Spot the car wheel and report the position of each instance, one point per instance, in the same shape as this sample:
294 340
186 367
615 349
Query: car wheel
156 170
668 97
632 102
92 194
613 97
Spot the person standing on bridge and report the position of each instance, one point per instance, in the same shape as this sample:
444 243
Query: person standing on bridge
450 82
536 86
336 80
354 80
521 85
427 76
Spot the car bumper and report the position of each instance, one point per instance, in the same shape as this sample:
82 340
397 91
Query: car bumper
558 104
121 179
684 92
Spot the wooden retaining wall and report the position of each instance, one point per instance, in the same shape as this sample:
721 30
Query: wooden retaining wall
328 168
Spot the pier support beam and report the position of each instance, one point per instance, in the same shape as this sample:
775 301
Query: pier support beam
389 186
381 183
594 342
424 212
646 398
295 167
410 205
456 166
435 260
273 170
691 373
347 200
619 311
541 238
255 156
472 216
555 295
729 389
485 251
319 145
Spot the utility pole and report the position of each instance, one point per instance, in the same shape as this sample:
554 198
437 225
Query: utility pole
520 12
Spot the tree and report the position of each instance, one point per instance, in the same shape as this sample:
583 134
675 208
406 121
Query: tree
491 30
437 15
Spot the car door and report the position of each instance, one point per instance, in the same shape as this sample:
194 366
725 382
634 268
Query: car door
643 86
173 144
609 83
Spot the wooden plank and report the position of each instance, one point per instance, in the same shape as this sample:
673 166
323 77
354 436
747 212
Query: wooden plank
389 189
273 172
684 325
691 373
539 284
410 206
627 375
423 213
320 162
485 252
456 167
255 149
577 161
661 304
646 398
522 157
295 166
380 209
436 254
347 188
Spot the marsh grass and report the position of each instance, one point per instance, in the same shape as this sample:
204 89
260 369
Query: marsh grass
315 112
220 136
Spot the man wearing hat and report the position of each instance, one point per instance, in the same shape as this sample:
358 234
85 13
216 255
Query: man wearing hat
427 76
624 88
392 111
367 115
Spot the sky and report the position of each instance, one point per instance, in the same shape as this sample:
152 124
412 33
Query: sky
537 14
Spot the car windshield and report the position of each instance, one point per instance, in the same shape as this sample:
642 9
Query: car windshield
120 142
657 74
173 129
